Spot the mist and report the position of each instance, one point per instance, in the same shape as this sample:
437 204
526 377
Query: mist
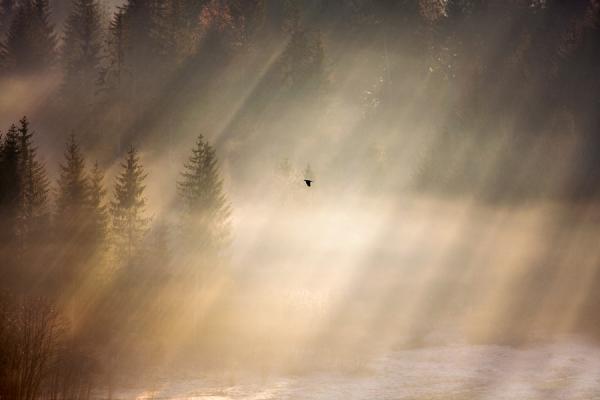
158 239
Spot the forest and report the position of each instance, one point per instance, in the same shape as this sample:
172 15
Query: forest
155 225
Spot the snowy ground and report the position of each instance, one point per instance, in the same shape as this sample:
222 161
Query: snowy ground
569 369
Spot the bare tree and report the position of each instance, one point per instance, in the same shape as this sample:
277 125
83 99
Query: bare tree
30 335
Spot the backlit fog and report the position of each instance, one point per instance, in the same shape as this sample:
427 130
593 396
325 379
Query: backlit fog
448 245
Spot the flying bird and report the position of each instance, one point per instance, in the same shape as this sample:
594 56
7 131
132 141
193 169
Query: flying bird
308 182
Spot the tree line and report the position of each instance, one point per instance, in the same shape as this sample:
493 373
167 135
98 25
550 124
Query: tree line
144 41
158 67
53 241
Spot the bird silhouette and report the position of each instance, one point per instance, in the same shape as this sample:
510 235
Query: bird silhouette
308 182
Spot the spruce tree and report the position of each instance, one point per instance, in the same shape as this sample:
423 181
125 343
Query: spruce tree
205 208
178 30
81 48
10 190
72 186
136 47
96 207
45 37
112 74
30 44
33 216
9 171
24 211
129 222
71 218
81 218
141 19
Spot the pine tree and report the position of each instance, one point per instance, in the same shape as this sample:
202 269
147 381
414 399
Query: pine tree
10 190
141 19
128 208
24 211
81 214
82 47
80 211
136 47
178 30
81 218
96 208
113 73
33 216
72 185
31 44
145 37
205 208
9 170
14 49
71 219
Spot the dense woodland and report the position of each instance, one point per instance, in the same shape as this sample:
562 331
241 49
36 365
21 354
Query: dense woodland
50 252
155 69
82 260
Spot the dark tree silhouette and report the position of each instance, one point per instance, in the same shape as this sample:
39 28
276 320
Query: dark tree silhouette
142 24
71 221
10 194
31 43
72 185
81 51
98 216
129 222
205 208
34 211
112 74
